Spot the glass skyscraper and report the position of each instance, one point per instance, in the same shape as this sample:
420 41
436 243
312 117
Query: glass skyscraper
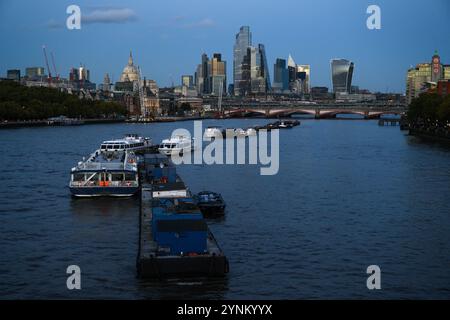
243 41
280 76
341 75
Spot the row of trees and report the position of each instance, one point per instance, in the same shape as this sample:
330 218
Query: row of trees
24 103
430 107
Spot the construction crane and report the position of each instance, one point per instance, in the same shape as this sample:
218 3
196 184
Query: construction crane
48 67
219 103
54 66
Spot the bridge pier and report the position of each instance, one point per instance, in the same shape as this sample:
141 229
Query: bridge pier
317 114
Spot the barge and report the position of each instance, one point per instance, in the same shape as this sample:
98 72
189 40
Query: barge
174 238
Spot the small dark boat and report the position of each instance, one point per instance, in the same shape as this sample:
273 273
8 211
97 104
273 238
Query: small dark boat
211 204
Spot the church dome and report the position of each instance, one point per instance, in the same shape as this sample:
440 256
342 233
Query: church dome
130 72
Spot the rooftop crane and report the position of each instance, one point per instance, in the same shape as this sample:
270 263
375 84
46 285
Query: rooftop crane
48 67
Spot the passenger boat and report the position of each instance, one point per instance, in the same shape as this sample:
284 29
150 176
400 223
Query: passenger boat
106 173
212 132
250 132
176 145
131 142
239 132
285 125
211 204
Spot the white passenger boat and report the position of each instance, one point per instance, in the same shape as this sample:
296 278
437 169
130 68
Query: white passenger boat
212 132
178 144
250 132
105 173
131 142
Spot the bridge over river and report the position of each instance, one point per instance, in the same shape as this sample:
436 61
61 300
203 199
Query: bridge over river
318 113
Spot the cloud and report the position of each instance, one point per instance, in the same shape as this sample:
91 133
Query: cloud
99 14
178 18
53 24
204 23
109 15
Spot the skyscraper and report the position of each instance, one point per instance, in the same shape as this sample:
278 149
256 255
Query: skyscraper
34 72
305 71
292 70
202 75
211 75
259 72
280 76
240 79
187 81
341 75
217 76
13 74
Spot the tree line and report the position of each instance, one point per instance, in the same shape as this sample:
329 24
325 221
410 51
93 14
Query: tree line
430 107
19 102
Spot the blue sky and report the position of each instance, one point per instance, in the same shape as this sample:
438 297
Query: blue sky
167 37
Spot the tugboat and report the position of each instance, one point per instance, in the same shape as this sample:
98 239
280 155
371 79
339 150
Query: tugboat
211 204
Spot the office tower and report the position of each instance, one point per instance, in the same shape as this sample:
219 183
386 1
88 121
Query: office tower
280 76
292 70
341 75
34 72
202 75
217 76
304 72
264 68
187 81
240 72
13 74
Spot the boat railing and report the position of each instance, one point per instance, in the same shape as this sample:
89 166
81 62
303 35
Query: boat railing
102 183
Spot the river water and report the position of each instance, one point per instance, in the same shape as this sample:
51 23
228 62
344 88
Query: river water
348 194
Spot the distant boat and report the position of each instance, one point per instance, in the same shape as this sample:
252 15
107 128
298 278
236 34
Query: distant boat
64 121
212 132
131 142
250 132
176 145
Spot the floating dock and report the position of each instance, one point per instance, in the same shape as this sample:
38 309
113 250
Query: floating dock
174 239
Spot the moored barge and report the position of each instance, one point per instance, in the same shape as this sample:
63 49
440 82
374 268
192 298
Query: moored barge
174 239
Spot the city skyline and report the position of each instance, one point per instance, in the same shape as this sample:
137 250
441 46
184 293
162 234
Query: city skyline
382 56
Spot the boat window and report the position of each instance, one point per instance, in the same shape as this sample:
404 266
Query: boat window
116 146
103 146
78 177
117 177
130 177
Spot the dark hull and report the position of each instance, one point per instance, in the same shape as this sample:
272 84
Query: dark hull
104 191
208 266
212 210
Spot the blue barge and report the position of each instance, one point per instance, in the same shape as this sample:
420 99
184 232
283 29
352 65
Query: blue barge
174 239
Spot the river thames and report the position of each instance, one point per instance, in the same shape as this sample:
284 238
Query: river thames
348 194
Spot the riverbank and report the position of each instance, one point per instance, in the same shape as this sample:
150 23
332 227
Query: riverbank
430 136
46 123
